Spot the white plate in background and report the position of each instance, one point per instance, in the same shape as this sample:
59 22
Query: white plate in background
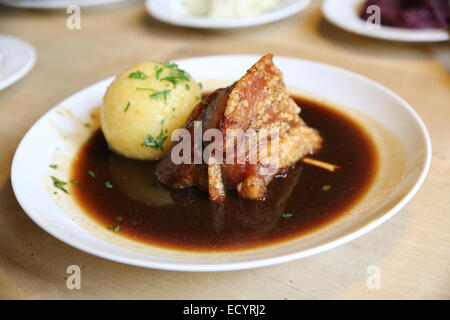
169 11
66 221
17 57
57 4
345 14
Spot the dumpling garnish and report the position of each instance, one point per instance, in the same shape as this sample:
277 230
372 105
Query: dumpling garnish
142 107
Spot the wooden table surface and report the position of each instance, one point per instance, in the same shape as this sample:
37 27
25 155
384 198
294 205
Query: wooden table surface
412 250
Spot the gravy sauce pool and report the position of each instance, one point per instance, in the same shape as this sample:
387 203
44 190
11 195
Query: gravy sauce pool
140 208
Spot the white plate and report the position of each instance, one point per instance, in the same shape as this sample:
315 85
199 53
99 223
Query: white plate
169 11
16 59
345 14
56 4
56 137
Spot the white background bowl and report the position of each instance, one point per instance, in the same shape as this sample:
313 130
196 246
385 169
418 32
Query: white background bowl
345 14
17 59
59 133
57 4
169 12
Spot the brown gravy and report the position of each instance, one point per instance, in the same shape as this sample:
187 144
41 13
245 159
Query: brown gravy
305 200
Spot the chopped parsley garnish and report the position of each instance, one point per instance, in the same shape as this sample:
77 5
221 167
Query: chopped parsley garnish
287 215
161 94
155 95
53 166
109 185
200 85
115 229
176 75
138 75
126 108
204 102
91 173
187 86
156 143
170 65
158 73
326 187
75 182
175 78
59 184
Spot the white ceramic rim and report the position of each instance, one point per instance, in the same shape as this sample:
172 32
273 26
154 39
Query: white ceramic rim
257 262
207 23
22 70
56 4
342 13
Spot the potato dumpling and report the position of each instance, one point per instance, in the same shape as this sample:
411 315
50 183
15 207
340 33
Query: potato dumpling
142 107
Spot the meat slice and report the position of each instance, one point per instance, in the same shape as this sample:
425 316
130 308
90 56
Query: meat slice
275 137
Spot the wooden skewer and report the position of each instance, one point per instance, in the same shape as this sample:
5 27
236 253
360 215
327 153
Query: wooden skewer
321 164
